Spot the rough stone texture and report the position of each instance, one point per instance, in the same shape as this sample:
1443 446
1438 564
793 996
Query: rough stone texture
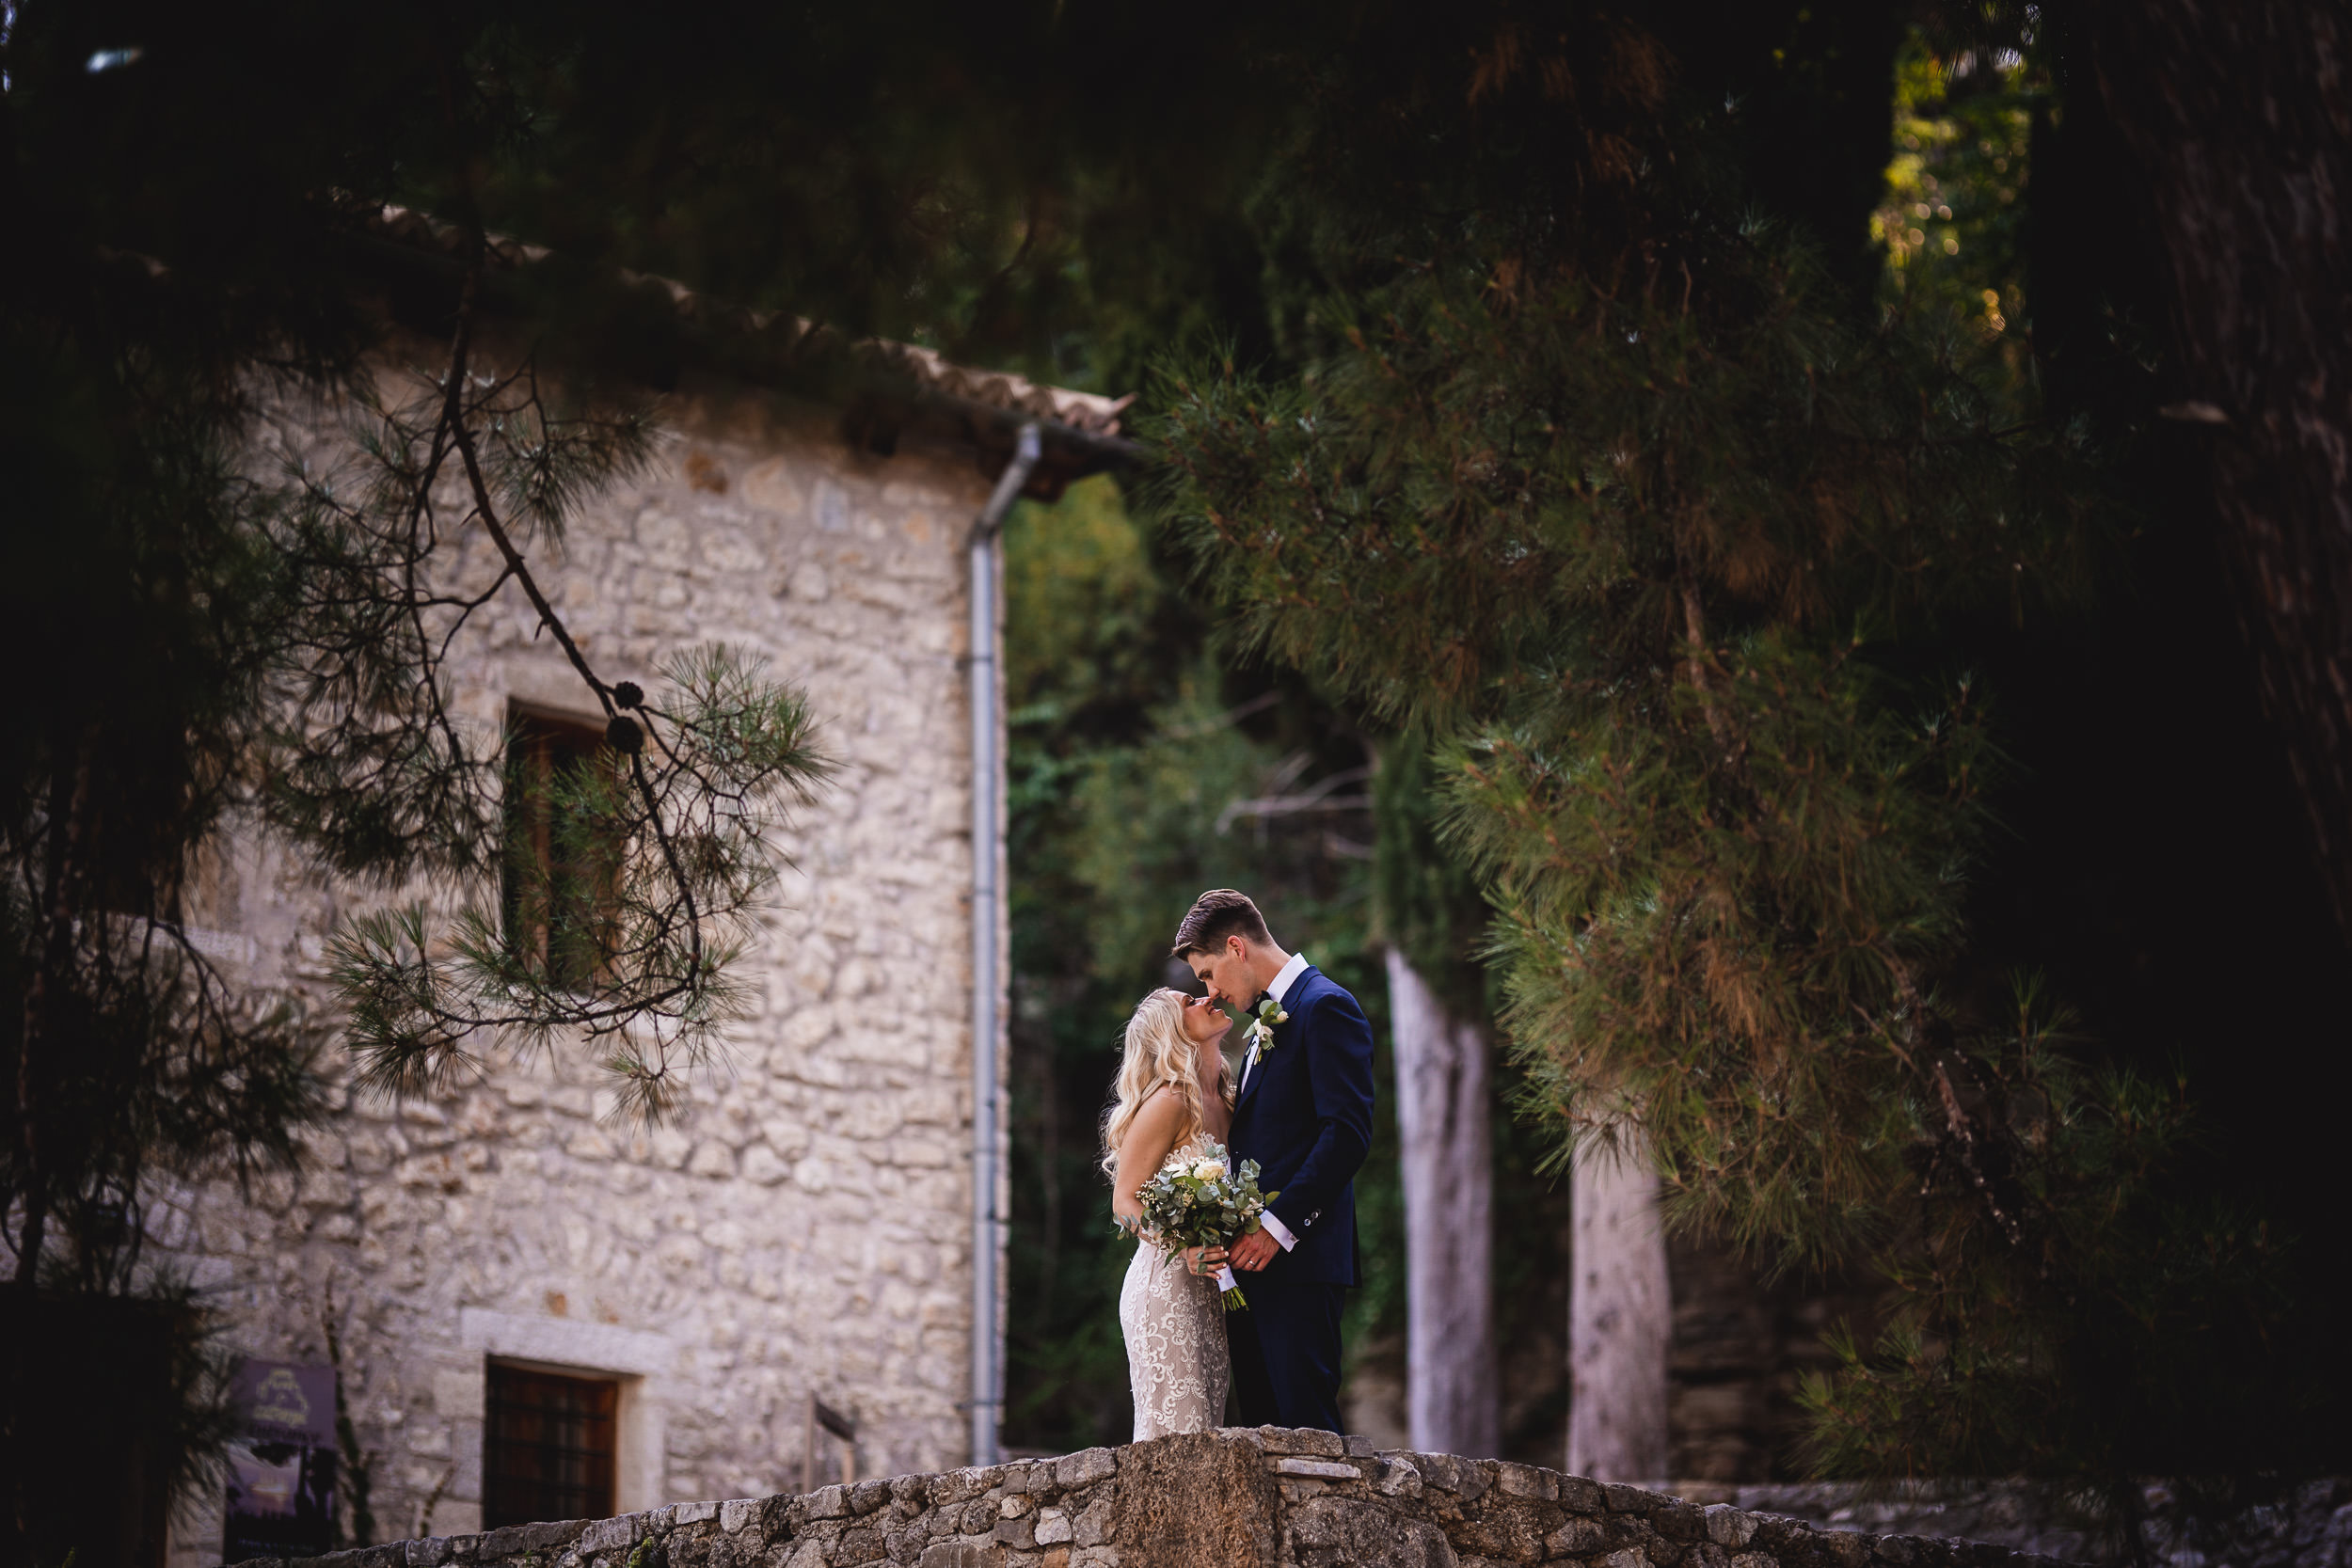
805 1226
1220 1498
2309 1528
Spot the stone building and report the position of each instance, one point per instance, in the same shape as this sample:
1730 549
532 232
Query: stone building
806 1227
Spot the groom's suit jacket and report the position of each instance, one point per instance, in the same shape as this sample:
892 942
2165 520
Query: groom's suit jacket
1305 1115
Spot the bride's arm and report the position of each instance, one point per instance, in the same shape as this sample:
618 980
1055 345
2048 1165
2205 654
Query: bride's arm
1150 1139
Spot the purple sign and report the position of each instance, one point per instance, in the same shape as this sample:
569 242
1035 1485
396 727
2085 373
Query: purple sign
281 1473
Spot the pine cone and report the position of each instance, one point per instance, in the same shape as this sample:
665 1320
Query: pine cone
624 735
629 694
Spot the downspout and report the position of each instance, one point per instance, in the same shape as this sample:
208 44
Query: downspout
988 768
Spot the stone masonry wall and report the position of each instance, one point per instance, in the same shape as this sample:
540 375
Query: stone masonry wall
804 1226
1240 1497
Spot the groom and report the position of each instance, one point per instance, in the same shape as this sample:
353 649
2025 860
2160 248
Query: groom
1304 1112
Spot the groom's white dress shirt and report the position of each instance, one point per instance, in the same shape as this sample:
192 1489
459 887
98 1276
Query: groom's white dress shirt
1284 978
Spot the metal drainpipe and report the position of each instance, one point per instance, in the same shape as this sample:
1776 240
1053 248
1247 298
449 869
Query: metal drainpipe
987 847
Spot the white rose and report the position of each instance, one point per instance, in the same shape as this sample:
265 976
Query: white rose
1208 1170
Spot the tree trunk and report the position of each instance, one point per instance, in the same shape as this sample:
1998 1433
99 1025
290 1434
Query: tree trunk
1450 1397
1620 1313
2239 115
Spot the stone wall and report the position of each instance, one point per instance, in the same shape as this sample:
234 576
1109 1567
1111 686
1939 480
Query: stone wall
2306 1526
1234 1499
804 1226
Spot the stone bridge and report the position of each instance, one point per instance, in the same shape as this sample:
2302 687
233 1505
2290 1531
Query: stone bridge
1238 1497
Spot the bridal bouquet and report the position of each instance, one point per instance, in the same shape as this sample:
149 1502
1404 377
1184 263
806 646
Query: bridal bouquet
1198 1201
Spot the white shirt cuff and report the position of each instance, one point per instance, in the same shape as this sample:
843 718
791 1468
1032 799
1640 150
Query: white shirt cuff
1277 1230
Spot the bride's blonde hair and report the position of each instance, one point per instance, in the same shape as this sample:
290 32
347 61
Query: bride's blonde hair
1157 1053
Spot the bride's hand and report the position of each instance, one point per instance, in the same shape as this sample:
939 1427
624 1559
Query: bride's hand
1203 1259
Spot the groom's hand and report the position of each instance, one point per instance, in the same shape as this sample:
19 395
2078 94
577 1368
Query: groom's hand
1255 1251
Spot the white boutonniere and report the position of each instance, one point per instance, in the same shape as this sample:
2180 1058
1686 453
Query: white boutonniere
1261 1034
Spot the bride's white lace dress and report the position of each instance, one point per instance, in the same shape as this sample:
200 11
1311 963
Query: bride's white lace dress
1175 1329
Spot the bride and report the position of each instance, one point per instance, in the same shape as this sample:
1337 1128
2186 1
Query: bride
1172 1095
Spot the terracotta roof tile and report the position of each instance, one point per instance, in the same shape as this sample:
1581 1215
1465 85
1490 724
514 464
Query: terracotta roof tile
1086 412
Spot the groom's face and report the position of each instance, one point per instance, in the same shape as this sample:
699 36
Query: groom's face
1225 972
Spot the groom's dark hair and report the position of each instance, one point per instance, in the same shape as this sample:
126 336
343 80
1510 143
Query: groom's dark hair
1219 913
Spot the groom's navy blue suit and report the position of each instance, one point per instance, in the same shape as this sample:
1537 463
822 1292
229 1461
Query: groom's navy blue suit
1305 1115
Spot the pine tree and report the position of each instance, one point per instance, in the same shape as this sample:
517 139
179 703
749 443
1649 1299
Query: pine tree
1686 557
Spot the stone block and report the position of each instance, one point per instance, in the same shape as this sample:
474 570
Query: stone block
1054 1528
1626 1557
607 1535
1440 1470
1093 1526
693 1513
1399 1477
1527 1480
1018 1531
1086 1467
775 1517
959 1485
1203 1497
1580 1495
1678 1521
1728 1526
1342 1532
429 1553
960 1554
1575 1537
829 1502
1302 1440
739 1514
1466 1478
868 1495
1632 1500
1849 1550
1321 1469
515 1540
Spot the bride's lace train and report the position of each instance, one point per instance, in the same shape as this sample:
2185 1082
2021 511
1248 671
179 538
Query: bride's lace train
1174 1324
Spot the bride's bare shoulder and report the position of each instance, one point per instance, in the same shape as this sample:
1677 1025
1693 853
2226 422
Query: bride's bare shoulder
1159 1115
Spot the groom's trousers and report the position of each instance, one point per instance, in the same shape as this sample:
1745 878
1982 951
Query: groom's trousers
1285 1349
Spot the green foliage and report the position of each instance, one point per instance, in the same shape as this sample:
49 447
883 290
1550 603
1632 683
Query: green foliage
1130 768
1683 565
2114 1306
1952 220
1640 561
644 972
1429 904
